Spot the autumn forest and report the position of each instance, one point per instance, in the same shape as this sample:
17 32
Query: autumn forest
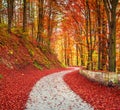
81 32
59 54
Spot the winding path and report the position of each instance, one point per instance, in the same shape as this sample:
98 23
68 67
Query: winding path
52 93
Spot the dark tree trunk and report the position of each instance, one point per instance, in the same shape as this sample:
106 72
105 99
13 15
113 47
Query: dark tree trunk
99 32
104 43
110 7
10 8
40 22
81 55
77 60
24 15
49 22
65 48
0 12
89 42
112 44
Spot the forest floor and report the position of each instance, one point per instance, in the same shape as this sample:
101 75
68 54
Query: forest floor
52 93
100 97
24 63
54 89
15 85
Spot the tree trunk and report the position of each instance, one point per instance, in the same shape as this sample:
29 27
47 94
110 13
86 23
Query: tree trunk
112 44
104 42
91 49
99 33
77 60
81 55
24 15
49 22
40 22
89 42
110 7
0 12
10 8
32 11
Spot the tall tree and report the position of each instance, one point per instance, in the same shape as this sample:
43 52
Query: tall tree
49 21
98 8
0 11
110 7
52 13
10 7
40 21
89 42
24 15
104 40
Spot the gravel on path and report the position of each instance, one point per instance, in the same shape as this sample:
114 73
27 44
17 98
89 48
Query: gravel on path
52 93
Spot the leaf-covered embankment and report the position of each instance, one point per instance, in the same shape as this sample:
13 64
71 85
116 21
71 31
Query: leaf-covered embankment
15 85
99 96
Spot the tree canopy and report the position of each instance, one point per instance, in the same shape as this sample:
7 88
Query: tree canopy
80 32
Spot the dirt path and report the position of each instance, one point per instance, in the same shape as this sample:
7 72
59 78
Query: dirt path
52 93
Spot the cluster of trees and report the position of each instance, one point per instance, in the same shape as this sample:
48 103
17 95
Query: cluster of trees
35 17
93 25
86 28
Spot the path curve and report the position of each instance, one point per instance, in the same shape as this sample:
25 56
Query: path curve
52 93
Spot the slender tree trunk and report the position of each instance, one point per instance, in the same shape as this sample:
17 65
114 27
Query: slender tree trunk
63 59
32 13
99 32
81 55
104 42
15 17
40 22
19 15
10 8
65 49
49 22
77 60
91 48
68 61
89 42
110 7
0 12
68 54
24 15
71 58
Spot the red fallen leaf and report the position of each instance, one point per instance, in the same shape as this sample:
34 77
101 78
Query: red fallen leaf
100 97
17 84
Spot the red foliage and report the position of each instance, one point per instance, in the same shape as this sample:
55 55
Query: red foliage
99 96
16 85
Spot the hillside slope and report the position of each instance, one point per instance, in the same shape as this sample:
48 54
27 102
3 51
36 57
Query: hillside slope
19 57
17 51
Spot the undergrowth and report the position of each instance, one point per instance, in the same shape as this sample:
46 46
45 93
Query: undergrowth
18 49
37 65
1 76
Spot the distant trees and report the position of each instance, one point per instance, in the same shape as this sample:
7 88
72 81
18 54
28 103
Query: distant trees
86 28
97 20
